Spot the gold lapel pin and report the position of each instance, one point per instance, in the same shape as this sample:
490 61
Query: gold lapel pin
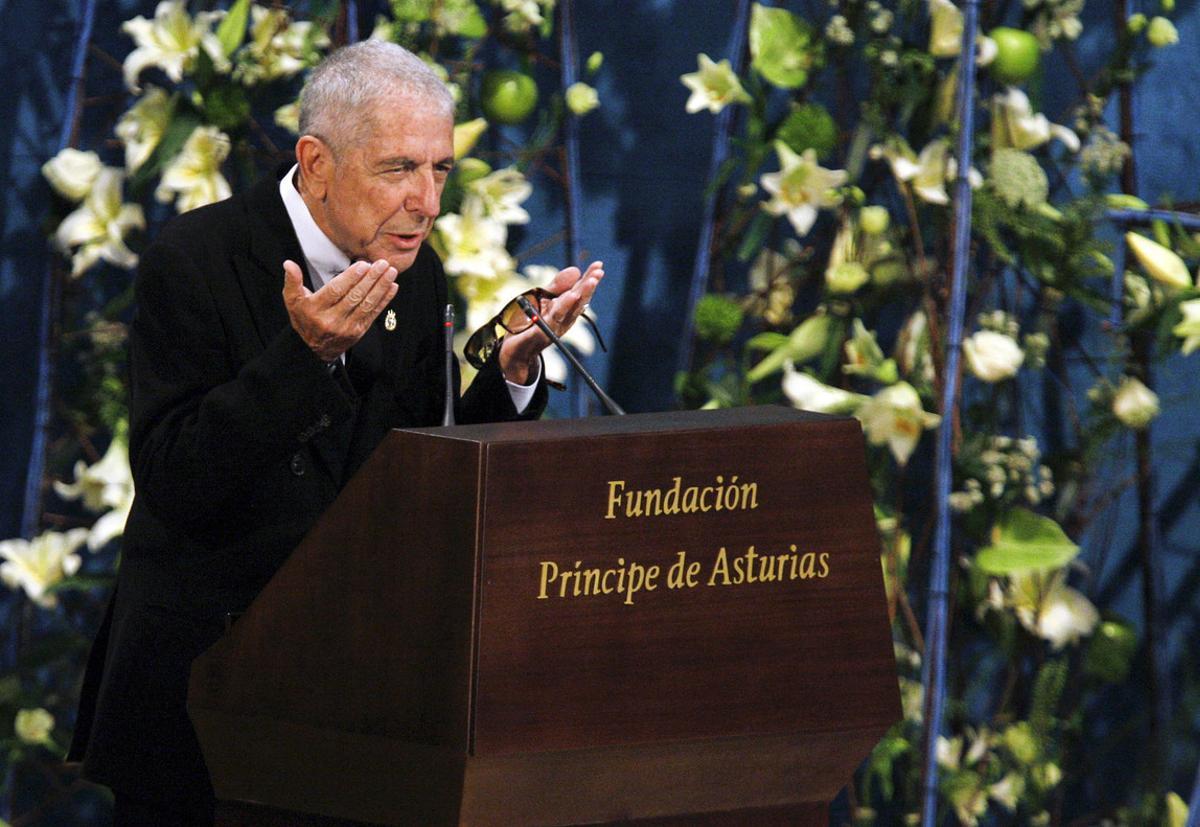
389 321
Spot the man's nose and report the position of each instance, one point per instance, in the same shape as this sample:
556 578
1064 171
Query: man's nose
425 197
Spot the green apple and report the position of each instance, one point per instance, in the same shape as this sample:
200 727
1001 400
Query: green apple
507 96
1017 55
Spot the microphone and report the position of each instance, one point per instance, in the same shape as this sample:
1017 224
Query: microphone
448 325
535 317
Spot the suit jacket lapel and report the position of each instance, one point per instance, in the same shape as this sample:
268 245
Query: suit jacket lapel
272 240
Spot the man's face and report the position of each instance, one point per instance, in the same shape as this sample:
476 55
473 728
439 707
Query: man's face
385 191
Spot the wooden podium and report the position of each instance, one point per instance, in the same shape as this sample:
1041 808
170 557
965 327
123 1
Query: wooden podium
676 618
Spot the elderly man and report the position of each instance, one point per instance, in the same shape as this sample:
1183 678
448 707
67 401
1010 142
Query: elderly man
252 405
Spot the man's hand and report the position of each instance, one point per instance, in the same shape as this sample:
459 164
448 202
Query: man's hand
519 351
334 318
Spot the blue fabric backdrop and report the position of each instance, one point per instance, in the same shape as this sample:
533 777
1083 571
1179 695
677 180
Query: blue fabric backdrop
643 166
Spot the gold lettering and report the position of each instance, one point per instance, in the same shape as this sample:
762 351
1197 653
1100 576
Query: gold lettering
720 480
632 510
693 570
546 565
704 492
751 556
614 498
671 500
604 587
824 565
720 567
807 563
591 581
689 500
653 506
749 495
675 576
731 505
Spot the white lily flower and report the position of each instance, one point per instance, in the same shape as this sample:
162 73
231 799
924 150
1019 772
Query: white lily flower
98 228
1007 791
992 356
473 245
103 485
142 127
36 565
171 41
809 394
945 28
1050 609
1016 125
1134 404
33 726
894 417
72 173
801 188
193 178
501 193
277 46
714 86
927 173
1188 328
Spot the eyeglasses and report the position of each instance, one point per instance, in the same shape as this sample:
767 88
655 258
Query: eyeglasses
512 319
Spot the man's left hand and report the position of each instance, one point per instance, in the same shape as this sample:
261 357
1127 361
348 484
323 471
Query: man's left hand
519 351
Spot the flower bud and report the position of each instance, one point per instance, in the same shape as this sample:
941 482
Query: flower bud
1134 404
873 220
1136 23
594 62
581 99
1161 264
1162 32
33 726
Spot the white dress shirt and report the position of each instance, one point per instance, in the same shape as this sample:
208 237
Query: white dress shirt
325 260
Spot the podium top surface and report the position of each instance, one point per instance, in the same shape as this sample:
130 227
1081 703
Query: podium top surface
596 426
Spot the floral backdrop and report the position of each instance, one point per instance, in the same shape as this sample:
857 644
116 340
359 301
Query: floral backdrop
827 289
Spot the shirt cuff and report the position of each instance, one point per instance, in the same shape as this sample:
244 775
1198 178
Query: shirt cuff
522 395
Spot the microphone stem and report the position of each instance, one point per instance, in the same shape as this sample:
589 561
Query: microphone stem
605 399
448 324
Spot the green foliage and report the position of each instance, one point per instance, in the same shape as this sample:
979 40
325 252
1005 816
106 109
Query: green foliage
717 318
1024 541
232 31
809 126
783 48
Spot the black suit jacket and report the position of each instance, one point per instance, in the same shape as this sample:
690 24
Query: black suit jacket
240 437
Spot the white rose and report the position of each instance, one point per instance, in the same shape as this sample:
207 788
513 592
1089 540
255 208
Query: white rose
72 173
1134 404
992 356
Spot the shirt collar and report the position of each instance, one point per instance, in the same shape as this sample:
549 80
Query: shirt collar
323 257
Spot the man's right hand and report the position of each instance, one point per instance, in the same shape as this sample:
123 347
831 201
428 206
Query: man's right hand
333 319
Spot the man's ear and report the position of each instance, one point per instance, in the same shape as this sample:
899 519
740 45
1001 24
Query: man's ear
315 159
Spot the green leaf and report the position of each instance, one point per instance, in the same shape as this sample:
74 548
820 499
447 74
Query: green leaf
1025 541
232 30
806 342
782 46
767 340
1047 692
1111 651
755 236
83 582
173 139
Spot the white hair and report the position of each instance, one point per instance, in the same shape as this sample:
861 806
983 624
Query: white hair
341 93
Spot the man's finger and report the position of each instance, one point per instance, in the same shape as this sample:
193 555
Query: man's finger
351 304
293 282
336 289
380 294
564 280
